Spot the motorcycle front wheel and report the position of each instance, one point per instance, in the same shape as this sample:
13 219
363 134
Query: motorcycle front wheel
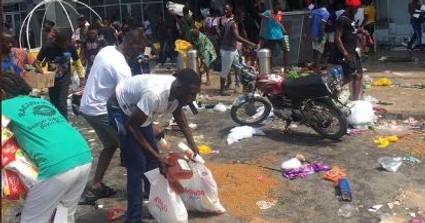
326 119
251 112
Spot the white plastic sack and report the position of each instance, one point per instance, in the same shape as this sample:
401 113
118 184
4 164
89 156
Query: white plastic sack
220 107
291 164
242 132
164 204
361 113
201 191
176 9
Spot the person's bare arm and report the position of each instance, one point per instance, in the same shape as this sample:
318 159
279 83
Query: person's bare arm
181 121
240 38
136 119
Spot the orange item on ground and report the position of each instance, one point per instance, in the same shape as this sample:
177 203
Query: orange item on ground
335 174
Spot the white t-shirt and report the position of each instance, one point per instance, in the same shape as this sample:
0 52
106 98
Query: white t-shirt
109 68
149 93
359 17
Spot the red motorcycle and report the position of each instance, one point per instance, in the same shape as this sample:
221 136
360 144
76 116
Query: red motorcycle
311 100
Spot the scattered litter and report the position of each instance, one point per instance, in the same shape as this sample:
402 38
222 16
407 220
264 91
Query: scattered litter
392 204
391 128
335 174
370 99
367 81
362 113
261 178
263 205
347 210
355 132
414 86
383 58
305 170
114 214
293 126
301 157
193 126
243 132
91 140
220 107
206 150
375 208
344 190
91 131
100 206
412 160
384 103
384 142
383 82
291 164
391 164
417 219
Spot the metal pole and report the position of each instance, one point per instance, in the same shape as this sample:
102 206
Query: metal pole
301 39
119 2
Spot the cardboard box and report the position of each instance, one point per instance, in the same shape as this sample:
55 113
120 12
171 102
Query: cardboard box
36 80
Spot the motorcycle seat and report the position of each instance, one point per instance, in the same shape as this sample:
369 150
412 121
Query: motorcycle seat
308 87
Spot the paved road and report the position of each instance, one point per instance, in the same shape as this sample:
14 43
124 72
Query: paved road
305 200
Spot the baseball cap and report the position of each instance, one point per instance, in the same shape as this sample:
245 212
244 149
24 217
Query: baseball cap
353 3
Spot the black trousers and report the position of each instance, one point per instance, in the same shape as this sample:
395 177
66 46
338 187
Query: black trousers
59 94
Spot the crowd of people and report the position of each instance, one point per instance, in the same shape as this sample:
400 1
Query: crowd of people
109 57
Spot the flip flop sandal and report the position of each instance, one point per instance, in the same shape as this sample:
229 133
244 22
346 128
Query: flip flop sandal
103 191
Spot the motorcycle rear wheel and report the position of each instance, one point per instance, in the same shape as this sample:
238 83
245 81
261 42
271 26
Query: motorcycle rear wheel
242 115
322 116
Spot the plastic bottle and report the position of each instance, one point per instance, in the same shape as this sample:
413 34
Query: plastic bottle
336 72
189 153
345 189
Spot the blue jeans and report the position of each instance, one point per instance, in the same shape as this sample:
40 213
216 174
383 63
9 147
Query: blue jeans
417 34
135 160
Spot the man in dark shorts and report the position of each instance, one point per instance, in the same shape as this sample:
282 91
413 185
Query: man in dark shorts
346 41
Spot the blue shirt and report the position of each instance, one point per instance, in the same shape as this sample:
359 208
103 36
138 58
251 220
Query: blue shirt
318 16
9 64
273 28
